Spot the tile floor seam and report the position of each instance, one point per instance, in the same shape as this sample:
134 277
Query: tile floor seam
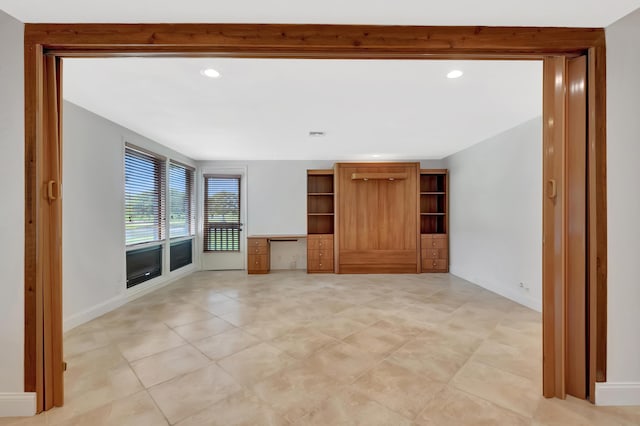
499 368
496 404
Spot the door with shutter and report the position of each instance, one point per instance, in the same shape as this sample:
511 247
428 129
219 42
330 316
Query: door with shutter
223 235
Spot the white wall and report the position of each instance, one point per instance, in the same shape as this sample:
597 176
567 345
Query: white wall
277 202
623 201
94 267
495 213
12 211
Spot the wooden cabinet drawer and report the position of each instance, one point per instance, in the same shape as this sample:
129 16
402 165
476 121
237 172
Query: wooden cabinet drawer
257 242
320 261
319 242
434 265
434 241
258 263
434 253
258 249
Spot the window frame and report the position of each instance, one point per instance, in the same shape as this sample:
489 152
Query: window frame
205 239
191 194
162 195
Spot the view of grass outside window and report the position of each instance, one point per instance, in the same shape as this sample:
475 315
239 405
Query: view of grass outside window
222 213
180 201
144 197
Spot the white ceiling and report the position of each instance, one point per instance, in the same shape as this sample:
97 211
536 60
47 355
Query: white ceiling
265 108
569 13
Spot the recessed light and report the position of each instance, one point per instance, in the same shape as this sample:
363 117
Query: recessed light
210 72
376 155
455 74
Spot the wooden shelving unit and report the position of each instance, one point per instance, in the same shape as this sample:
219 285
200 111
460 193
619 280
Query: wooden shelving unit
434 220
320 221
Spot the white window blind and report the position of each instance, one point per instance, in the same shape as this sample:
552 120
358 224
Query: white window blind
181 221
144 197
222 213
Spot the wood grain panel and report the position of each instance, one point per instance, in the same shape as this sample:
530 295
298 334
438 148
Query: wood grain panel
430 253
34 159
597 218
320 260
367 257
576 201
378 268
257 242
434 265
554 220
324 40
258 264
316 242
378 222
434 243
258 249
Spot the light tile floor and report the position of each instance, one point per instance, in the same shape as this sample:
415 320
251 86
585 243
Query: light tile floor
225 348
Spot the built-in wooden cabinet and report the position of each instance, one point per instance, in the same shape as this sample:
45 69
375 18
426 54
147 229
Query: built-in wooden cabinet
434 220
320 253
258 256
320 221
387 218
377 218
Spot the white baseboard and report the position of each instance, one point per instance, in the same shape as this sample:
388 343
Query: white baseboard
94 312
610 393
510 294
17 404
100 309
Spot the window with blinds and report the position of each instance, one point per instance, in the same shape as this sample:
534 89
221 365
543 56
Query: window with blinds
181 223
144 197
222 213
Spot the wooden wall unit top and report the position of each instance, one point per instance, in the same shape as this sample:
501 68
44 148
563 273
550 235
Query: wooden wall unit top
377 219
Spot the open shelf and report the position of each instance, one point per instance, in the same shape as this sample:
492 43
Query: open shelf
433 182
433 202
320 202
432 224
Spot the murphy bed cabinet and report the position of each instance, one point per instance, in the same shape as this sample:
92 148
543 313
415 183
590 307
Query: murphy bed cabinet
434 220
377 218
320 221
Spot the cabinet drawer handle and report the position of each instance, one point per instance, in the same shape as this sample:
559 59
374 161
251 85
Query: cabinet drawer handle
434 263
433 243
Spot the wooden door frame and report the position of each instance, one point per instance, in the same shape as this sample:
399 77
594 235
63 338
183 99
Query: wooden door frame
331 42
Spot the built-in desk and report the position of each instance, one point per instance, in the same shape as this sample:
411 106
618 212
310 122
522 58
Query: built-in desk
259 251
